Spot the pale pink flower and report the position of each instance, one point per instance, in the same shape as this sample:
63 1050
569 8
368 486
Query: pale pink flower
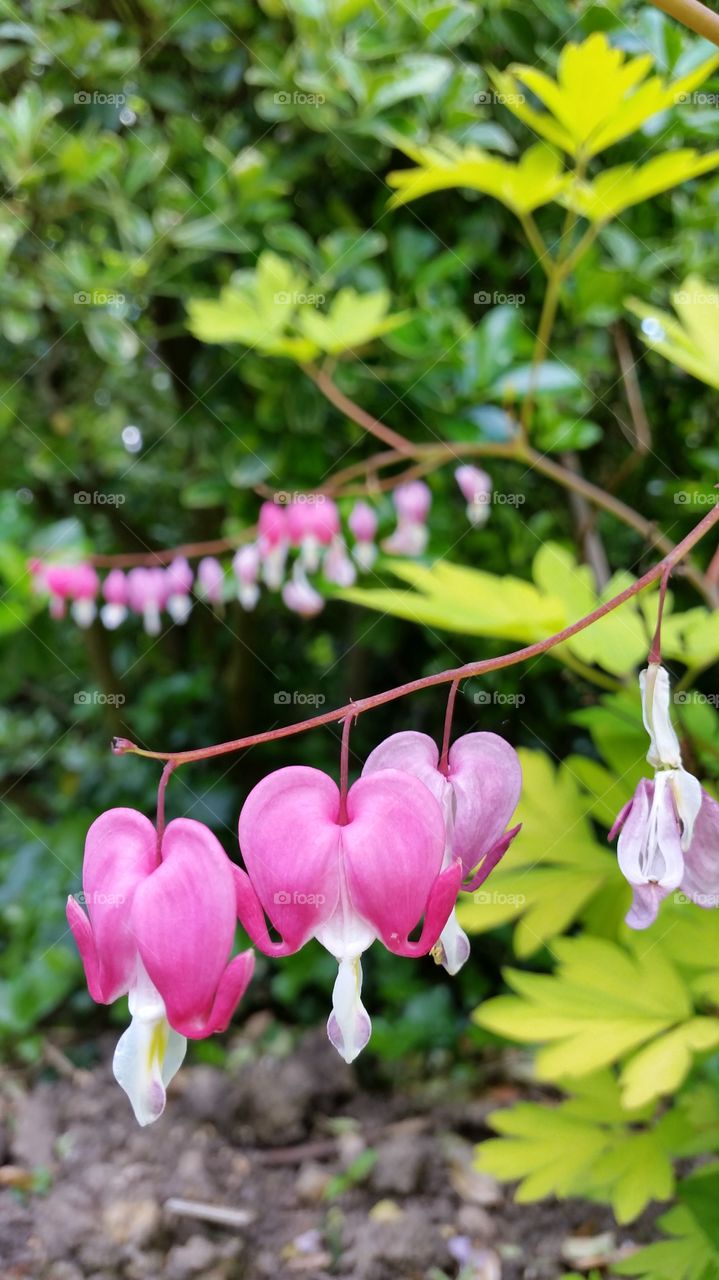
477 794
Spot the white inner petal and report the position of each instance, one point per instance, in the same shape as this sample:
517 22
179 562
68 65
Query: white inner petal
349 1026
149 1053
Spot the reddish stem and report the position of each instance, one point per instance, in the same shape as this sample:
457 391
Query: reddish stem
122 745
344 768
162 787
655 653
453 691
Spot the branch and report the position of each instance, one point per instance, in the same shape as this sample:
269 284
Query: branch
353 411
693 15
122 746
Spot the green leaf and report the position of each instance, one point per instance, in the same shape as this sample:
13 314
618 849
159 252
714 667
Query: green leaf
587 1145
617 189
691 342
553 868
600 95
602 1003
522 185
465 600
687 1255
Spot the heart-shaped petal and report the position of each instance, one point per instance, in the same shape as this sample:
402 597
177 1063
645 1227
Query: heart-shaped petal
289 839
392 847
184 920
120 853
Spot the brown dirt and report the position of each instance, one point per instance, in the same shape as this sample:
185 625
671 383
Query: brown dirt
87 1195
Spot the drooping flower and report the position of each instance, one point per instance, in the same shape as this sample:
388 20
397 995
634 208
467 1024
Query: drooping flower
345 879
476 489
178 585
412 502
246 568
312 526
146 595
115 593
161 928
272 542
77 583
211 580
669 830
477 794
337 566
362 524
300 596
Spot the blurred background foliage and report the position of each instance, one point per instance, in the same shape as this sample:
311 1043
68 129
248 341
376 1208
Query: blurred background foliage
148 166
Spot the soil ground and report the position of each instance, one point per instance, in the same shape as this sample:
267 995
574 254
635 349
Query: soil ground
283 1167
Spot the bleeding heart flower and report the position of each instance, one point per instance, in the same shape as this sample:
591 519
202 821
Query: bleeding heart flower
161 928
300 596
211 579
669 830
272 541
374 874
363 527
115 592
246 568
478 794
476 488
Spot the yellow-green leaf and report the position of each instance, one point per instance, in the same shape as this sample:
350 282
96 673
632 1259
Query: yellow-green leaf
522 185
692 341
600 95
627 184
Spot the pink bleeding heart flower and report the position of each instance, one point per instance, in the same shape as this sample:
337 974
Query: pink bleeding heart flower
362 524
116 593
412 501
476 489
313 522
301 597
337 566
478 794
161 928
178 585
272 542
78 583
372 872
211 580
147 596
246 568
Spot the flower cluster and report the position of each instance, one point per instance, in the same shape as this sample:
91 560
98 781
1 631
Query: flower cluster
669 830
295 542
377 863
